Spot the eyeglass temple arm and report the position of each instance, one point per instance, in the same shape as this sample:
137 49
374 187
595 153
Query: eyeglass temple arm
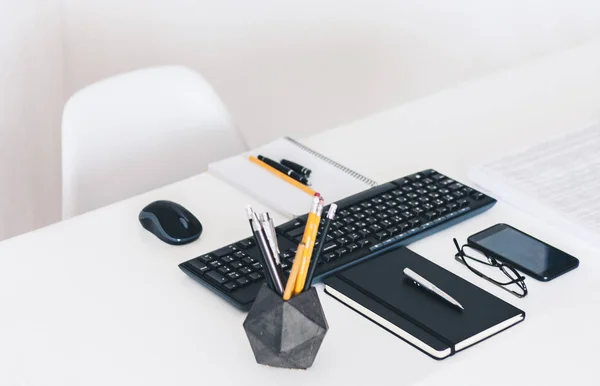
457 246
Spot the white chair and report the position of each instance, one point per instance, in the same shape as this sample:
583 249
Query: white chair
138 131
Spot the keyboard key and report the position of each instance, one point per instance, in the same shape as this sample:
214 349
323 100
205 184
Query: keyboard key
437 202
223 270
458 194
443 191
245 244
255 276
412 195
351 247
366 204
462 203
408 214
413 203
381 207
477 196
215 264
407 188
393 230
207 258
349 229
342 241
242 281
248 260
433 195
371 220
455 186
360 224
239 254
418 210
451 206
415 222
199 265
401 199
289 226
295 232
376 200
216 277
467 190
363 243
343 213
355 209
442 210
397 192
382 235
422 191
337 233
403 227
236 265
385 223
448 198
430 215
227 259
386 196
245 270
225 251
256 266
353 236
391 212
341 251
364 232
230 286
329 246
233 275
374 228
431 187
381 216
349 220
330 256
370 212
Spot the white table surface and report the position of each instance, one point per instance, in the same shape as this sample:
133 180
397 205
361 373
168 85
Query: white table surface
97 300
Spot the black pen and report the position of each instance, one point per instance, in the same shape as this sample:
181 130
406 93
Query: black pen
285 170
296 167
322 242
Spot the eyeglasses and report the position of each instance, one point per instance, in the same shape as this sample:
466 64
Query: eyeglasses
495 272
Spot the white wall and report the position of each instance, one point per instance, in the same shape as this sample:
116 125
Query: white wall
299 66
282 66
31 93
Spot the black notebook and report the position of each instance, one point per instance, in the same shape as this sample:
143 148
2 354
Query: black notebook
378 289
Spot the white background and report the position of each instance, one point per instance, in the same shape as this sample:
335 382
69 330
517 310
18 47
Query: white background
282 67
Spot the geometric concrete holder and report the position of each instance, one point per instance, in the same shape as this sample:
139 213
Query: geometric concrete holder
286 334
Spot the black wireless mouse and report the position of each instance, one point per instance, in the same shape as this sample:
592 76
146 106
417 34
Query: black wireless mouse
170 222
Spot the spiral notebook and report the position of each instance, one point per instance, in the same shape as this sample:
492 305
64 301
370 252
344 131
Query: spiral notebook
331 179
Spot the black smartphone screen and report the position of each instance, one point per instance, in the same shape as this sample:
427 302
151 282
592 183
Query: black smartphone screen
523 251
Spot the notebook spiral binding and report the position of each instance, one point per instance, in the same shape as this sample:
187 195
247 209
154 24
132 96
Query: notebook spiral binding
346 170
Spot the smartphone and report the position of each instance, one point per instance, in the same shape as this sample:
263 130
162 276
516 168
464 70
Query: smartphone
523 252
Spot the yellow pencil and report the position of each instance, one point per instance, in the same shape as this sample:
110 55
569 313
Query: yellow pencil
291 283
312 228
284 177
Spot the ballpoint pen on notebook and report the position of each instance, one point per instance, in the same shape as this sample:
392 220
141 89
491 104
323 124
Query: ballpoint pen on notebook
310 233
296 167
279 174
285 170
420 281
315 260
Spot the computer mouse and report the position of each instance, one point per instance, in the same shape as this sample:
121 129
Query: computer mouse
170 222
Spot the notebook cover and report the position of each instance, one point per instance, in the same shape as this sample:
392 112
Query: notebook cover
329 178
379 285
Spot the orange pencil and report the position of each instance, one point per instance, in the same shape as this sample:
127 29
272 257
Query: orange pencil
291 283
311 230
279 174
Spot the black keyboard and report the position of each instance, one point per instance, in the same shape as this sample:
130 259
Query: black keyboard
384 217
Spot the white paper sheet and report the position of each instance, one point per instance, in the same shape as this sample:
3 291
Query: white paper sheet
558 181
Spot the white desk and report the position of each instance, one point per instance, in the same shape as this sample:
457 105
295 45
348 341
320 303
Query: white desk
97 300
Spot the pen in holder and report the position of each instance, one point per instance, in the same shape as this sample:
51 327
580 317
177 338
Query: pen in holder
286 334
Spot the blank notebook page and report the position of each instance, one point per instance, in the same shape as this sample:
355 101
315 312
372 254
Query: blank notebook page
332 180
558 181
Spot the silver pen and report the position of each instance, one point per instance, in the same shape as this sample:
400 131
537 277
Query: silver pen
269 257
267 223
426 284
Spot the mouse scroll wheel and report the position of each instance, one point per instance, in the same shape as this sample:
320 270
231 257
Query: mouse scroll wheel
183 222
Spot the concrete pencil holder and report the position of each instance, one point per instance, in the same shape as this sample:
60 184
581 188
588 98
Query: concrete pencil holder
286 334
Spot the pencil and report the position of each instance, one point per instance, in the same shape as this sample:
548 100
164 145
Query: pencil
315 260
279 174
291 283
312 228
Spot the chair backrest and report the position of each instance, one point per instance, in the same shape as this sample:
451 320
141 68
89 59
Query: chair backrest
138 131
